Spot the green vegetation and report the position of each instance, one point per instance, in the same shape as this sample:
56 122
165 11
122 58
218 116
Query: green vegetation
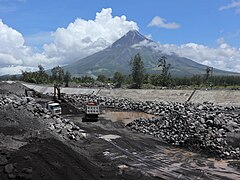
103 78
165 77
137 69
58 76
83 79
137 79
118 79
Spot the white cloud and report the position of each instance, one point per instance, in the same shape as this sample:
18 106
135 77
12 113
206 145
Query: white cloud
84 37
13 51
81 38
162 23
223 57
16 69
11 45
233 5
149 36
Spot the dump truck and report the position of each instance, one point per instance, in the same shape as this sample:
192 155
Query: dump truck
91 112
54 107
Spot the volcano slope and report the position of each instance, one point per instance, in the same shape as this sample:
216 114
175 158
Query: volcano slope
38 145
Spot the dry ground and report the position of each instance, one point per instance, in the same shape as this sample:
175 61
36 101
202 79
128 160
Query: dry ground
107 150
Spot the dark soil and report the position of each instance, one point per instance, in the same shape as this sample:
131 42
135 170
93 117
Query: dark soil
51 159
29 150
14 88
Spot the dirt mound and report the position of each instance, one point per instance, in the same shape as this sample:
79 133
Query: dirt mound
17 121
13 88
48 159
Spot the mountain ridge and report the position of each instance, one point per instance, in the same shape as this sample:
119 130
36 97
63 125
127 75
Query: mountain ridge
117 56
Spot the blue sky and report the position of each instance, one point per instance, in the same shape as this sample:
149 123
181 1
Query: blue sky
205 26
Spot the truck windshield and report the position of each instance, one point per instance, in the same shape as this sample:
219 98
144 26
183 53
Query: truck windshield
56 106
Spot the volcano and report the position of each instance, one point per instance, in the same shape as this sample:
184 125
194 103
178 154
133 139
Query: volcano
116 58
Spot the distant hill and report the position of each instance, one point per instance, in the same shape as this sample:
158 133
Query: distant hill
117 56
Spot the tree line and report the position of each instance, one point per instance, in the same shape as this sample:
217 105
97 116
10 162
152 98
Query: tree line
58 75
164 78
138 78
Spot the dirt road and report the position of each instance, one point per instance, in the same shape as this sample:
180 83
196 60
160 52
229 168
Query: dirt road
109 141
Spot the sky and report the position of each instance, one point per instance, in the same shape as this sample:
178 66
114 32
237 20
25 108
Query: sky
59 32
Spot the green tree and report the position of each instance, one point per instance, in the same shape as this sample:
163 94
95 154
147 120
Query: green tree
155 79
146 78
102 78
208 75
57 74
67 78
86 79
29 77
41 75
196 80
137 69
118 79
165 74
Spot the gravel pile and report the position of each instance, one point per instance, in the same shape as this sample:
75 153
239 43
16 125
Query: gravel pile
67 129
198 127
64 127
12 88
13 173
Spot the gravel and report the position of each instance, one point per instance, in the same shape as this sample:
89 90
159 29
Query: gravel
64 127
199 127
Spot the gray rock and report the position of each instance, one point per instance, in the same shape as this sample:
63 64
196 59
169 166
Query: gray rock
178 122
9 168
64 131
51 127
58 121
3 160
27 170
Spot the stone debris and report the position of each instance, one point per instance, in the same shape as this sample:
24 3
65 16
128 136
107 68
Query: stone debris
198 127
13 173
201 127
64 127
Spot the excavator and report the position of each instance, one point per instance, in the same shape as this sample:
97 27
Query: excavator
32 93
91 109
54 106
57 93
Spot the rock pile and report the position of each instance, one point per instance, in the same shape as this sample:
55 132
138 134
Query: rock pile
202 127
23 103
56 123
10 169
67 129
13 173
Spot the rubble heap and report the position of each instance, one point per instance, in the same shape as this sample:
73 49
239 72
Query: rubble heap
205 127
59 125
